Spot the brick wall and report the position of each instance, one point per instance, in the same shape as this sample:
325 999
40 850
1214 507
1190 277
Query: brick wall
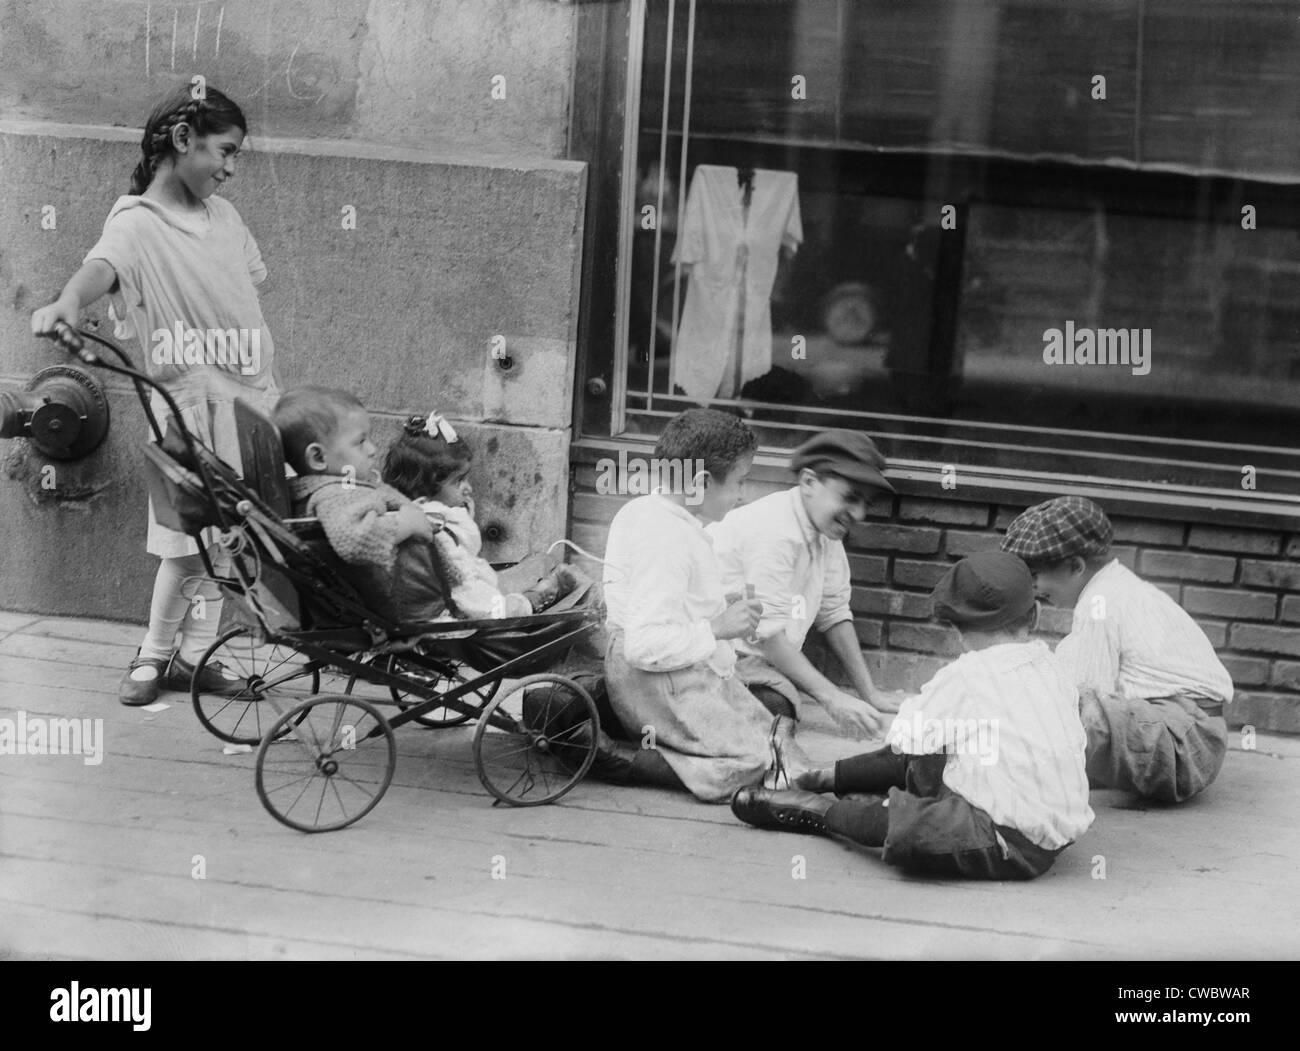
1241 585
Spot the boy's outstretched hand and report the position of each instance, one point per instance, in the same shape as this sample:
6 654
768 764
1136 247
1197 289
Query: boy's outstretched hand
888 700
739 619
854 716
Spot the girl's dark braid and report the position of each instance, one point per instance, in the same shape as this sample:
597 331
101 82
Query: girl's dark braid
156 143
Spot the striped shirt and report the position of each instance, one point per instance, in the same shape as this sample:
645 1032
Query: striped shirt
662 587
1129 637
1009 719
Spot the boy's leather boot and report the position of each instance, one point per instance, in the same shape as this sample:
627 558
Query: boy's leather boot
627 764
784 811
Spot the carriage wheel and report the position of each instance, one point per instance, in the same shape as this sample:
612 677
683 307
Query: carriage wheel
331 771
446 678
265 679
528 762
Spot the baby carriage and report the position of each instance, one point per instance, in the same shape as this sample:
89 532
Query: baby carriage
310 638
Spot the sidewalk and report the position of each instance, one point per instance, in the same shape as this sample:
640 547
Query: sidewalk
97 861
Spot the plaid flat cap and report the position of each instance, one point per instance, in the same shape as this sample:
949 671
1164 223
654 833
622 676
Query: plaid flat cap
1059 529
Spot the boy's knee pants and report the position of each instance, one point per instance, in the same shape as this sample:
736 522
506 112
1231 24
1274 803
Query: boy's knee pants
931 828
1167 749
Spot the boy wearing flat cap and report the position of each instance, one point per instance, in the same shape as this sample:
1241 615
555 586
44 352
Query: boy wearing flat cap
790 547
1151 688
984 770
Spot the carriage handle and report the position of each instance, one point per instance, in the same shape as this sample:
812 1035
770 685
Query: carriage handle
74 342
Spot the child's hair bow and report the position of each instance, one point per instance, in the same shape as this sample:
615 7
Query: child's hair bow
436 425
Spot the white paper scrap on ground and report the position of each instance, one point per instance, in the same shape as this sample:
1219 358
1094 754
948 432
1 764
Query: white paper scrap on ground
157 706
237 749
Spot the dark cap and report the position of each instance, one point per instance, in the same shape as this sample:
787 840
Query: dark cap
987 590
1058 529
850 454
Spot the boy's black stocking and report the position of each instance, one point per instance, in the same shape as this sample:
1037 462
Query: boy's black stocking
876 771
864 821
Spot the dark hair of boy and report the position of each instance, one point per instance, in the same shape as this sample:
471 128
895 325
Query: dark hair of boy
418 464
718 439
210 115
1089 563
310 414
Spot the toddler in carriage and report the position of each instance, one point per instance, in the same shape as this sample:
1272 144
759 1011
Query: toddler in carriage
384 536
430 464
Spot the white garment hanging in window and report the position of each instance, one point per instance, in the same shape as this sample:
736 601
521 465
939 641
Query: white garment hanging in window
733 260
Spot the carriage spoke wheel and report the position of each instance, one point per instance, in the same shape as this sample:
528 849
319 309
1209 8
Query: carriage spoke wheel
335 765
264 680
534 742
448 677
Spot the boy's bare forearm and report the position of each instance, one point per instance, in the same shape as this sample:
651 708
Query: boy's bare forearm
791 663
843 641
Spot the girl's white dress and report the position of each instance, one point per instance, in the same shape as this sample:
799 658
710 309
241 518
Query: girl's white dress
186 291
474 586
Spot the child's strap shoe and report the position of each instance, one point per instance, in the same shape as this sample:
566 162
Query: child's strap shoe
142 681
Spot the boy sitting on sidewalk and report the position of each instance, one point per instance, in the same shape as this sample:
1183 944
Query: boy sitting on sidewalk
1151 688
985 771
669 664
790 547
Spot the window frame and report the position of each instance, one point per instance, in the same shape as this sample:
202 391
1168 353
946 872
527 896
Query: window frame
608 68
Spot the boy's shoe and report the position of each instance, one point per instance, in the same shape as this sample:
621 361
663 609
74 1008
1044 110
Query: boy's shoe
138 686
783 811
216 679
788 759
563 579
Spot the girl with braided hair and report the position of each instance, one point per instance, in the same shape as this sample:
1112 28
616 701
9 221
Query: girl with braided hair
181 268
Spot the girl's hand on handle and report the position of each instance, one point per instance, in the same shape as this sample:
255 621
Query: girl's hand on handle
95 279
46 318
739 619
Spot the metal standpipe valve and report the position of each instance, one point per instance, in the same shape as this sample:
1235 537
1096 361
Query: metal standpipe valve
62 411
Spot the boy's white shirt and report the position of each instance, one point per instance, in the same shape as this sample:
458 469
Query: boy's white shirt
772 544
1128 636
663 586
1016 697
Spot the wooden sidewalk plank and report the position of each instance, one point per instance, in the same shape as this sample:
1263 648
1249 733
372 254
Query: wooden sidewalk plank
608 872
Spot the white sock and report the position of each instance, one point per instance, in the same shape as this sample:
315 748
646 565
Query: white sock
174 608
168 609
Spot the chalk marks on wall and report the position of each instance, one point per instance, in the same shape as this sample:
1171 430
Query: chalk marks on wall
178 34
167 31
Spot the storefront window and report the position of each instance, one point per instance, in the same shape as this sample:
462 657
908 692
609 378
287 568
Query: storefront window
1035 236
